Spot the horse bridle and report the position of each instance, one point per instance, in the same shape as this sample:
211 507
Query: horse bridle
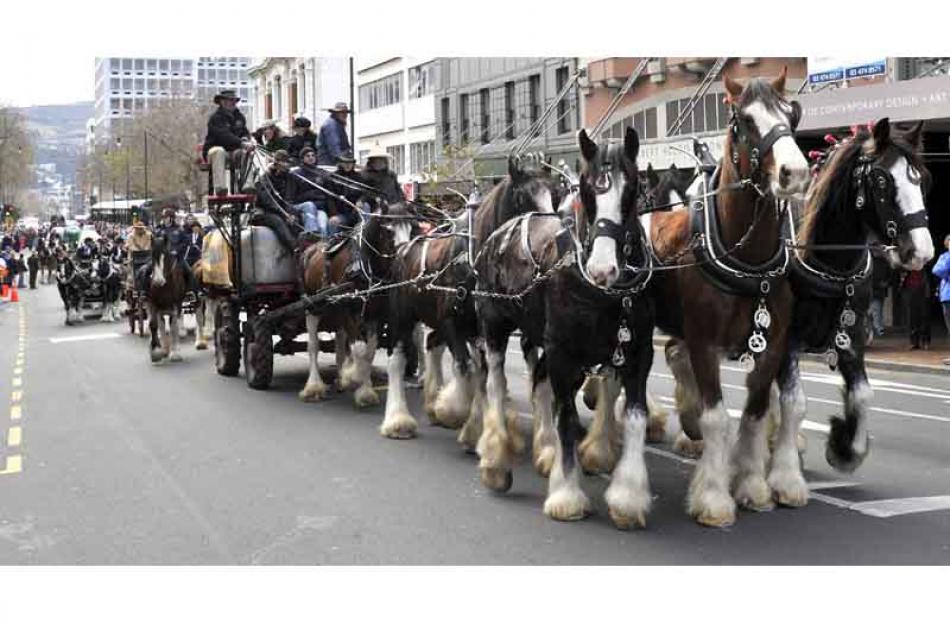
757 149
873 185
624 237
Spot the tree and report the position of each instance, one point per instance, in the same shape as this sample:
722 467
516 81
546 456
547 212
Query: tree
16 155
173 128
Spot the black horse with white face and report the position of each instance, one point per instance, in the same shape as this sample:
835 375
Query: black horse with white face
870 188
579 291
72 282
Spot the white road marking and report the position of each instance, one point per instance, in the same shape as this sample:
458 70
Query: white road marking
901 506
85 337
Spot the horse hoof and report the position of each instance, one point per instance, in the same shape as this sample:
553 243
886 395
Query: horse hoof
753 494
312 392
175 357
366 397
399 426
596 460
201 346
497 479
544 461
567 505
789 489
627 521
156 356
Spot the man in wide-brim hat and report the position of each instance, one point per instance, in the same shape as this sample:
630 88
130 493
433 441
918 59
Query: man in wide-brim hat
227 139
333 138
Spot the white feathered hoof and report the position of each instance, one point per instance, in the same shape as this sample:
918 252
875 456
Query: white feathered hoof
365 397
348 378
174 357
713 509
495 464
596 455
313 392
627 508
543 454
567 504
469 435
452 406
686 447
788 488
399 426
752 492
156 355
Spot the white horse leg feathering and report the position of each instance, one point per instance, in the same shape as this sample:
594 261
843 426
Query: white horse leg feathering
315 389
398 422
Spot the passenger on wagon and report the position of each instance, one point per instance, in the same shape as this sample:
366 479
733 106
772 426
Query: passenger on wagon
333 138
379 176
195 238
271 205
86 252
303 137
227 140
270 137
346 184
309 202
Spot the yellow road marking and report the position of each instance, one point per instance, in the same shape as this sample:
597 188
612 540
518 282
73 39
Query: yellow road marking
14 436
16 395
17 382
16 412
14 465
18 371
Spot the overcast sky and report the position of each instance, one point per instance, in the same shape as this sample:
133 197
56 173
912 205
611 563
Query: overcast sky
29 83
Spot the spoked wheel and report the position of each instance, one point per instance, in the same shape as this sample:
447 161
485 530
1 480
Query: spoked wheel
227 340
258 354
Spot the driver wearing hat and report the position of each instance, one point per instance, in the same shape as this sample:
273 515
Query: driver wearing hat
227 139
333 138
303 137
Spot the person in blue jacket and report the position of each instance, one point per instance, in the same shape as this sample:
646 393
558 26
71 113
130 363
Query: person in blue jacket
333 139
941 270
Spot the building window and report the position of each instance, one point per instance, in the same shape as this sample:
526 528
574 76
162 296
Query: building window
398 154
446 122
464 119
421 156
380 93
509 110
534 98
484 101
422 80
563 109
709 115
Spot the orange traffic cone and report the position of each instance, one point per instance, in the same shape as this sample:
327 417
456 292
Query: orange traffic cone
4 291
14 297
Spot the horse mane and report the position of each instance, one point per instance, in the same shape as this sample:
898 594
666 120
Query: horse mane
829 202
829 194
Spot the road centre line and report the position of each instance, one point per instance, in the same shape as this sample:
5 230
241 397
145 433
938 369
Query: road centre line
85 337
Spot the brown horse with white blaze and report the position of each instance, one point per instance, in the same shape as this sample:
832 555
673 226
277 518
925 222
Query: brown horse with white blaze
716 300
164 296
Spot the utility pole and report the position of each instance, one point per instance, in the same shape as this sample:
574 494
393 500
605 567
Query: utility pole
352 110
145 136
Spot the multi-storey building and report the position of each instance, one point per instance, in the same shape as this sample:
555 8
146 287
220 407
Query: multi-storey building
126 86
285 88
483 105
395 109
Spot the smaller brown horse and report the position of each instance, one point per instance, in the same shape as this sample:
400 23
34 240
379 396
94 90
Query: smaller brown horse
164 296
364 258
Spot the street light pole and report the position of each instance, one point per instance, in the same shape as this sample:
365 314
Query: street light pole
145 136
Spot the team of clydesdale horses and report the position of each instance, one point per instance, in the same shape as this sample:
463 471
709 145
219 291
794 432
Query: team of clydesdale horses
757 260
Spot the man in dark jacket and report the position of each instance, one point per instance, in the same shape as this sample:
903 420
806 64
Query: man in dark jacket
303 137
308 201
379 176
34 264
333 138
227 139
271 205
346 184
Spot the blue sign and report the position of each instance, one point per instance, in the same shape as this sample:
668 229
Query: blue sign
834 69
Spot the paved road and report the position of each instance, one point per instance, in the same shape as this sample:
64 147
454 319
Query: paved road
119 461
